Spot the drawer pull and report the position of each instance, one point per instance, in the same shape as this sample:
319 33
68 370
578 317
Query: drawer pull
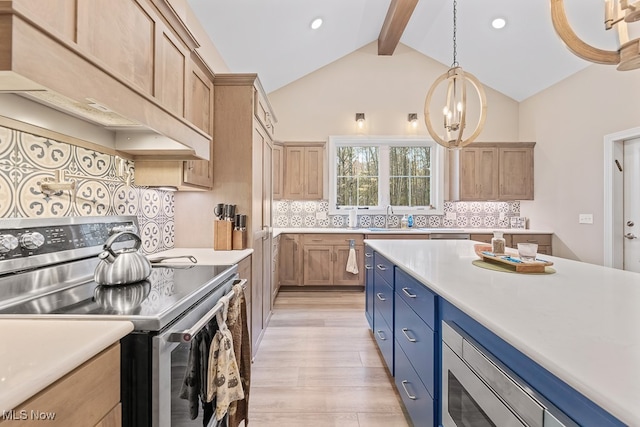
381 335
381 267
404 386
404 331
407 293
368 255
381 297
368 267
532 241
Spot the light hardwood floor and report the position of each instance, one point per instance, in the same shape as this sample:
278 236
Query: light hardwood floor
318 366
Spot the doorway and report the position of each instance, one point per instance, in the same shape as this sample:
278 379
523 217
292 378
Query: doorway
622 200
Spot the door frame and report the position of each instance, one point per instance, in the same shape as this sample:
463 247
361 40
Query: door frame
614 196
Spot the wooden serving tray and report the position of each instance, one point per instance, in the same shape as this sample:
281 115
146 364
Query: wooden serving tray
519 267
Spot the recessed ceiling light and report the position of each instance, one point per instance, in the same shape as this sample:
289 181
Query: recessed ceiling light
498 23
316 23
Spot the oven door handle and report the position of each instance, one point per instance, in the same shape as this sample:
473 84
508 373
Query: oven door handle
187 336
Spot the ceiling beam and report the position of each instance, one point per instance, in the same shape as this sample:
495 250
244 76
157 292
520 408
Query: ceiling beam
394 24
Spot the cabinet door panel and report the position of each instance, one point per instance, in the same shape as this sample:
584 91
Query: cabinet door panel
278 172
294 173
340 275
313 164
170 75
290 261
368 284
418 297
318 265
122 35
516 174
487 174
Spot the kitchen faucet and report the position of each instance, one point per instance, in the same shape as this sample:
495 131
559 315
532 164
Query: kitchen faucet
386 216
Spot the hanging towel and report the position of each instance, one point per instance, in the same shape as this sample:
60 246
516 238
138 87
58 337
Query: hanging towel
352 264
237 322
223 382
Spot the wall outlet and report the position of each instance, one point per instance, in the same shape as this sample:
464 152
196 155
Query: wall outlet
585 219
321 215
501 216
450 216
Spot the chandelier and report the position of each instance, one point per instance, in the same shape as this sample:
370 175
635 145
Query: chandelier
616 13
454 113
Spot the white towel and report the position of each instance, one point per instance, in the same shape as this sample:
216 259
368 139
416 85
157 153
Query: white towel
352 265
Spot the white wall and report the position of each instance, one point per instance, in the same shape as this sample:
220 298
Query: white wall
385 88
569 121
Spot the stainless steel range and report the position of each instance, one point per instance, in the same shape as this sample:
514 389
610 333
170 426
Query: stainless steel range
46 270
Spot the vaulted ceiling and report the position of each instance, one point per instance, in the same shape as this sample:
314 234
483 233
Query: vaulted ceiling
274 38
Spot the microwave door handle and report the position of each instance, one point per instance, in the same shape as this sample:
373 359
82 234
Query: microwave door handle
187 336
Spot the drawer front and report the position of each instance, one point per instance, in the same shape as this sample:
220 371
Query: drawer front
383 298
333 239
419 298
540 239
383 267
384 338
416 398
417 342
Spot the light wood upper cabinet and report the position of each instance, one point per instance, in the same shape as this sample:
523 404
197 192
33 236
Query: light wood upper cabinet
516 173
303 171
278 171
476 183
134 57
496 171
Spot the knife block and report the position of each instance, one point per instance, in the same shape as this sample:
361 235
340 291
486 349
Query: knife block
222 240
239 239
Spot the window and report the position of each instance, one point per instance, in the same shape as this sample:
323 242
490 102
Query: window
371 173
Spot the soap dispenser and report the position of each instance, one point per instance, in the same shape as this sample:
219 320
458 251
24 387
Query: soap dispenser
404 222
498 243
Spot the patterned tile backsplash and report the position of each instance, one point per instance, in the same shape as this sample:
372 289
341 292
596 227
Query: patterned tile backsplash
303 214
26 160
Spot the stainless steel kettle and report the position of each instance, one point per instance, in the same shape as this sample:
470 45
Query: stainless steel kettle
122 266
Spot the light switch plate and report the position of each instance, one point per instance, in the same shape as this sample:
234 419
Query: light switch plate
321 215
450 216
585 219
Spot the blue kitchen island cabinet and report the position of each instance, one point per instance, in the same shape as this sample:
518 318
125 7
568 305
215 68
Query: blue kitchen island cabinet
531 324
415 348
383 308
368 285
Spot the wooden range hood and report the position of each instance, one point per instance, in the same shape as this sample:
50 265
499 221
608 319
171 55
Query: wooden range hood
129 66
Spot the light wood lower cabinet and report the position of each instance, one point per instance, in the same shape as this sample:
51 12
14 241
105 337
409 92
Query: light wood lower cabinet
290 265
319 260
512 240
87 396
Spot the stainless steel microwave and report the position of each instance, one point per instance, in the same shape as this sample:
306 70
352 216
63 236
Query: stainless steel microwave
478 390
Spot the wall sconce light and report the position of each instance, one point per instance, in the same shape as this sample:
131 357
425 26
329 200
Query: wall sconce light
412 118
616 13
360 120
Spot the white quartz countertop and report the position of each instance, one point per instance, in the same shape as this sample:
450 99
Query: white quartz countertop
582 323
292 230
204 256
36 353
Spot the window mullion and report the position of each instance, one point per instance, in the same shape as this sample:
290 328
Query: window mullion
385 166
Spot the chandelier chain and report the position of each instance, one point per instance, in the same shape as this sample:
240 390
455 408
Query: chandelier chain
455 30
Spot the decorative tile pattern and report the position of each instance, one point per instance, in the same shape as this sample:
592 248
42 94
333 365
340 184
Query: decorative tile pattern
26 160
295 213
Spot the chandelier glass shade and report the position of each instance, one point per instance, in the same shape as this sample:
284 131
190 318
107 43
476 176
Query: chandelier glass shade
453 110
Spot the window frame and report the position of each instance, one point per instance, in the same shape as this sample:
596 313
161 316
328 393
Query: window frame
437 175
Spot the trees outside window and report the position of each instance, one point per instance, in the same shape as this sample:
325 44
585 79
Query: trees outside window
372 173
